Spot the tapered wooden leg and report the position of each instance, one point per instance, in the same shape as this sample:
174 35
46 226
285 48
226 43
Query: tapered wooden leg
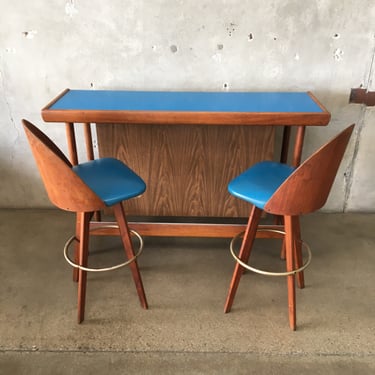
76 248
289 252
84 219
280 221
298 251
282 252
244 255
128 246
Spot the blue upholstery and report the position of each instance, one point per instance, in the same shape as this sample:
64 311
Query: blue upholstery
110 179
257 184
187 101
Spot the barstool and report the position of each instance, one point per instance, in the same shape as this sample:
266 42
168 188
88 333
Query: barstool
289 192
85 189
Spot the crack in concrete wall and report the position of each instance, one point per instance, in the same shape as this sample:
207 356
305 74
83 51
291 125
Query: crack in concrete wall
13 147
358 136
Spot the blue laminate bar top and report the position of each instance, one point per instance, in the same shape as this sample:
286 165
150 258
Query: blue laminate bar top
186 101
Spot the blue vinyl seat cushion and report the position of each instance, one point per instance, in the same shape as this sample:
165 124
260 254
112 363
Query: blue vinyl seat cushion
110 179
257 184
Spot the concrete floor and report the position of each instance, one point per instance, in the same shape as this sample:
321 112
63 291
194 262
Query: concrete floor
185 330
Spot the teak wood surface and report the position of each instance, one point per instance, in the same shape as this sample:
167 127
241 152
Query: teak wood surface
186 169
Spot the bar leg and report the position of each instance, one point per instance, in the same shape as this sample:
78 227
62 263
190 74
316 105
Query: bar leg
88 141
284 159
72 145
298 145
90 154
285 145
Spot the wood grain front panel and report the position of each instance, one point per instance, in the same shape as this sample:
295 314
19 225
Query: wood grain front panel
186 168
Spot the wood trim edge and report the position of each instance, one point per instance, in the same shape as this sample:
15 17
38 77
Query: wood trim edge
154 229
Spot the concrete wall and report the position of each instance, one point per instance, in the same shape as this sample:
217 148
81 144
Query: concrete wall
324 46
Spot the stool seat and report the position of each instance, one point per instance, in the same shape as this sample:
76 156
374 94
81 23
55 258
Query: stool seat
110 179
257 184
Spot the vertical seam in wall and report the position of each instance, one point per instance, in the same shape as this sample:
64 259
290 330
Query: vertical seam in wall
358 133
350 168
8 106
368 83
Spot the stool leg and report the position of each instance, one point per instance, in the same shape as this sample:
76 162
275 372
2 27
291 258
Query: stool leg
128 246
76 248
84 219
282 252
298 251
289 252
244 255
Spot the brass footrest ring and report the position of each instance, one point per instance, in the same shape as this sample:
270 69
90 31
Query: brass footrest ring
103 269
268 273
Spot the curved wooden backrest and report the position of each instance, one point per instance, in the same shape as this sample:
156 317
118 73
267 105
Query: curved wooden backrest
307 188
64 188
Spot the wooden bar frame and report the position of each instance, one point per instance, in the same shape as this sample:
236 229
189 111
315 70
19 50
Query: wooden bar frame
172 229
297 120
